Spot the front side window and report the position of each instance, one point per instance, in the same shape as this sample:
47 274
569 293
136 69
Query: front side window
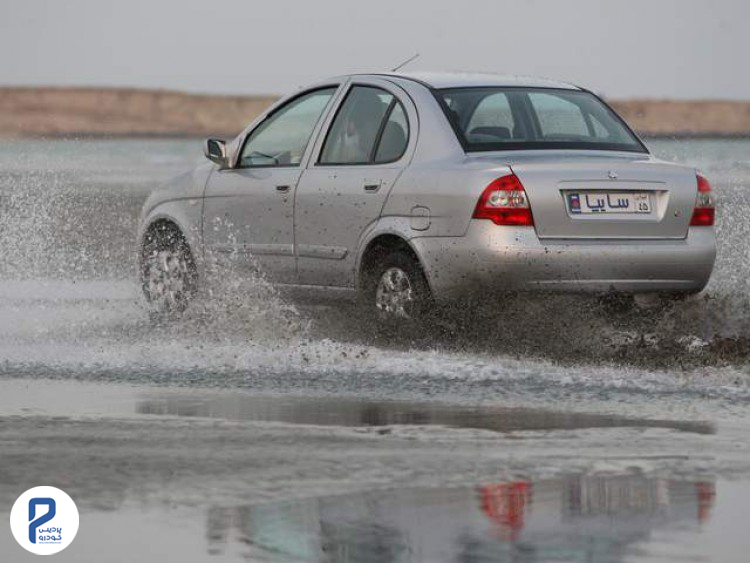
282 138
370 127
492 118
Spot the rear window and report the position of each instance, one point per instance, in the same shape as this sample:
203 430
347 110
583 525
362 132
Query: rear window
488 119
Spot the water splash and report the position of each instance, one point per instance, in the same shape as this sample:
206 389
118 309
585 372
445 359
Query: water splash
69 302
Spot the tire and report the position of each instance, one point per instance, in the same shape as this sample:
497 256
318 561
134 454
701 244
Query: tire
168 274
395 290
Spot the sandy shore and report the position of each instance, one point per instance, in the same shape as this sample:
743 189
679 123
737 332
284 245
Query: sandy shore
699 118
61 112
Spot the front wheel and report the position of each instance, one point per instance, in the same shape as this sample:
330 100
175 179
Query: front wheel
168 273
396 289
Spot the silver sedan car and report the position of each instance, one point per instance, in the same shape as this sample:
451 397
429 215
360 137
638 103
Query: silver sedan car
410 189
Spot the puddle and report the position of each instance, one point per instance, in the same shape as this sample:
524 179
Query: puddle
51 398
217 480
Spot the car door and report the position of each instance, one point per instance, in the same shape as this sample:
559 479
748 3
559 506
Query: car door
367 144
248 209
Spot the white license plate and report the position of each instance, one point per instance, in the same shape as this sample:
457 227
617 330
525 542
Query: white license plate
585 203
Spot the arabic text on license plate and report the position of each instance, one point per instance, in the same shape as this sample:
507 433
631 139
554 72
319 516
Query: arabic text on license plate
581 203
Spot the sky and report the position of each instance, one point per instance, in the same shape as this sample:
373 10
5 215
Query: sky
687 49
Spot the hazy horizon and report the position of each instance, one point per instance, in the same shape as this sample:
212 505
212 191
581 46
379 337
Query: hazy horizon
671 49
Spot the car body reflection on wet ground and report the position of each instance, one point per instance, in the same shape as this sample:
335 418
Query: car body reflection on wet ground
579 518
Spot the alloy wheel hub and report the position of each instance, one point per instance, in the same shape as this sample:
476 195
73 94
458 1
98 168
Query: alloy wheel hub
166 281
394 293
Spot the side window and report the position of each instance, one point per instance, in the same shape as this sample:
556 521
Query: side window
282 138
359 126
558 118
600 131
492 121
395 136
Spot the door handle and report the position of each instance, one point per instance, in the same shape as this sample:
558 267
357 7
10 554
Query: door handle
282 189
372 187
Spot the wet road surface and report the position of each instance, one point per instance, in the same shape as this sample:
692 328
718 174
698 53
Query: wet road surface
259 429
220 475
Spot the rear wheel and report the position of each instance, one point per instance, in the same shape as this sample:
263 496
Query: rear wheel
168 273
396 289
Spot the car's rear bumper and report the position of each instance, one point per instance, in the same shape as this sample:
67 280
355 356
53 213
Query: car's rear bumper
496 258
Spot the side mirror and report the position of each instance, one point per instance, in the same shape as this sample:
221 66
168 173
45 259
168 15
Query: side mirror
215 150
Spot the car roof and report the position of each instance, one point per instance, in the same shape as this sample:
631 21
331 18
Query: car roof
441 80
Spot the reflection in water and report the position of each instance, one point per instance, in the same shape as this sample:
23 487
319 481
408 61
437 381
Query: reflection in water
506 505
582 518
358 412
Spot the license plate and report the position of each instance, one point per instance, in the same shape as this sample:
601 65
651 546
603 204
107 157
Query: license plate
585 203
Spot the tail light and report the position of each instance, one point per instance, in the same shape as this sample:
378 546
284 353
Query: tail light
504 202
704 212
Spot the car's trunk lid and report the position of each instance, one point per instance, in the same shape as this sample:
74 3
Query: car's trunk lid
594 197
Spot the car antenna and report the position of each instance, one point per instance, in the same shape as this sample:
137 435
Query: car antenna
406 62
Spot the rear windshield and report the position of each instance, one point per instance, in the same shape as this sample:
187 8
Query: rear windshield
490 119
